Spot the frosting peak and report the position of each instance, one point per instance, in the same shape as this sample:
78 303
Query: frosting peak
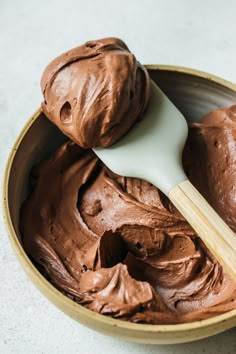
94 93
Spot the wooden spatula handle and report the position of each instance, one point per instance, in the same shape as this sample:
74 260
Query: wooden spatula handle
214 232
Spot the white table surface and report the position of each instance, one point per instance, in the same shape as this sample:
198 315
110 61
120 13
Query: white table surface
198 34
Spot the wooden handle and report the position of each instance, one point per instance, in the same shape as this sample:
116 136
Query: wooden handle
214 232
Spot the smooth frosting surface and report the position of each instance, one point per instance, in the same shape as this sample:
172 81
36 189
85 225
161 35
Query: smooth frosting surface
118 246
94 93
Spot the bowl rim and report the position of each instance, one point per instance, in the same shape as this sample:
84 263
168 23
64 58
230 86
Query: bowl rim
45 285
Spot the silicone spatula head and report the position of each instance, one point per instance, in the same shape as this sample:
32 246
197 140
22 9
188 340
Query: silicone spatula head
152 149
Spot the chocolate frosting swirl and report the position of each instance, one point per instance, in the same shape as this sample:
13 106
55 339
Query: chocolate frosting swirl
118 246
94 93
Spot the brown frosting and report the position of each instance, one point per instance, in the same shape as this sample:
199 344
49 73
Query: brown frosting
118 246
215 136
94 93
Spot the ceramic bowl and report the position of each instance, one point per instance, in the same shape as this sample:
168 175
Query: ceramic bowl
194 93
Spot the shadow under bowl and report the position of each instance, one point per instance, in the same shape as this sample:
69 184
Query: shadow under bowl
195 94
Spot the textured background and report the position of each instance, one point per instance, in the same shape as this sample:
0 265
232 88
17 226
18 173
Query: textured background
199 34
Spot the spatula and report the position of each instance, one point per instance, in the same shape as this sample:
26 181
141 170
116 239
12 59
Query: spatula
152 150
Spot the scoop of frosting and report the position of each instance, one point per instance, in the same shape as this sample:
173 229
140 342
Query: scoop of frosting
94 93
118 246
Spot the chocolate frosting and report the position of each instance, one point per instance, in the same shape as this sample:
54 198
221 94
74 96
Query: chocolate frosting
118 246
94 93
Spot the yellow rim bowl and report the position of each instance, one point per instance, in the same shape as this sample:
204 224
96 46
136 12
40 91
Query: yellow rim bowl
187 88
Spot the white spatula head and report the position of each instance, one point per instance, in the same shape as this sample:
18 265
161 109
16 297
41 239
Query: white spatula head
152 149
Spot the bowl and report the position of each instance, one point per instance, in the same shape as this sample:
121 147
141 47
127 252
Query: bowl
194 93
